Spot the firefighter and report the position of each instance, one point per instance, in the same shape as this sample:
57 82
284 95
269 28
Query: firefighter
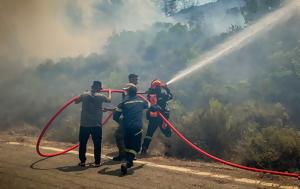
132 110
119 136
158 100
91 121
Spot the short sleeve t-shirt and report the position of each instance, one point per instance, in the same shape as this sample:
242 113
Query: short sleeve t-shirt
91 113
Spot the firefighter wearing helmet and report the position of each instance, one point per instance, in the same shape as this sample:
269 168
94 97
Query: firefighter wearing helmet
158 95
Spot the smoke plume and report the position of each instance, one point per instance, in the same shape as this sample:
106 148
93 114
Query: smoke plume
63 28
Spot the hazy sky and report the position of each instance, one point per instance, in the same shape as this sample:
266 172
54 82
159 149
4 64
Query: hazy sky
59 28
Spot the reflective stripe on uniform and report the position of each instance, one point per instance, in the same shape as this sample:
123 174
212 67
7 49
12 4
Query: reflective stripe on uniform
134 101
118 109
149 105
131 151
148 137
140 132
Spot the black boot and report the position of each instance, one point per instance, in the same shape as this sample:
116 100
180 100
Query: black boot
124 168
81 164
144 152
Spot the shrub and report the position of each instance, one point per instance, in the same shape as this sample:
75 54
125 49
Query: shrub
251 133
272 147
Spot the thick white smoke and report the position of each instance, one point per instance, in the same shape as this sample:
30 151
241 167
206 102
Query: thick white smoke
61 28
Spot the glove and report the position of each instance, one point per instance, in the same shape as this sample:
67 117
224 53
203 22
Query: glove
155 108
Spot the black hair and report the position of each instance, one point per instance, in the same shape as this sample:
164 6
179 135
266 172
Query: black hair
97 85
130 76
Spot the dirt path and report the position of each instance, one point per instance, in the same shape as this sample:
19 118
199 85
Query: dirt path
21 167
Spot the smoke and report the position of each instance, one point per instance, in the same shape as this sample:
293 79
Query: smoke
40 33
64 28
214 17
57 29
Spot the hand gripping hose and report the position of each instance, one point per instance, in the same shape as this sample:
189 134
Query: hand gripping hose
189 143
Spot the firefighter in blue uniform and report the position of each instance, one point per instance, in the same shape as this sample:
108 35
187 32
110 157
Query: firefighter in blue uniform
119 136
132 110
158 100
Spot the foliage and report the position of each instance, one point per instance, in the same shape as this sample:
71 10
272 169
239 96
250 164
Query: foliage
272 147
252 133
241 108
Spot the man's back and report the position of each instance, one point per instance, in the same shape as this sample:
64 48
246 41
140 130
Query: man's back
91 114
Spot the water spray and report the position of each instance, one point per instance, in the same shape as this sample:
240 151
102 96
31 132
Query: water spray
241 39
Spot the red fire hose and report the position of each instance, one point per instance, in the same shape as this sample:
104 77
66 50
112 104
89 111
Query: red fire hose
173 129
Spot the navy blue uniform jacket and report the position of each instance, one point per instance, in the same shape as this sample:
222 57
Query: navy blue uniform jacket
132 110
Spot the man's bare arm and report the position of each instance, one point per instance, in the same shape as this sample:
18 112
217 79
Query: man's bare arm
109 96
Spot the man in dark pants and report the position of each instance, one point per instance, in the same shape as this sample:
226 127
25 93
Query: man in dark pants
91 121
132 110
158 100
119 134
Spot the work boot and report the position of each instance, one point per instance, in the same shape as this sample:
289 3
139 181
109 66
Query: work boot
96 164
124 168
129 164
118 158
144 152
81 164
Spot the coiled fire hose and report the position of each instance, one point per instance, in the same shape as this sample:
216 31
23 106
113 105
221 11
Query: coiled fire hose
183 138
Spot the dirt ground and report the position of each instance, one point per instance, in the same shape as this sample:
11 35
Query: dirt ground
21 167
